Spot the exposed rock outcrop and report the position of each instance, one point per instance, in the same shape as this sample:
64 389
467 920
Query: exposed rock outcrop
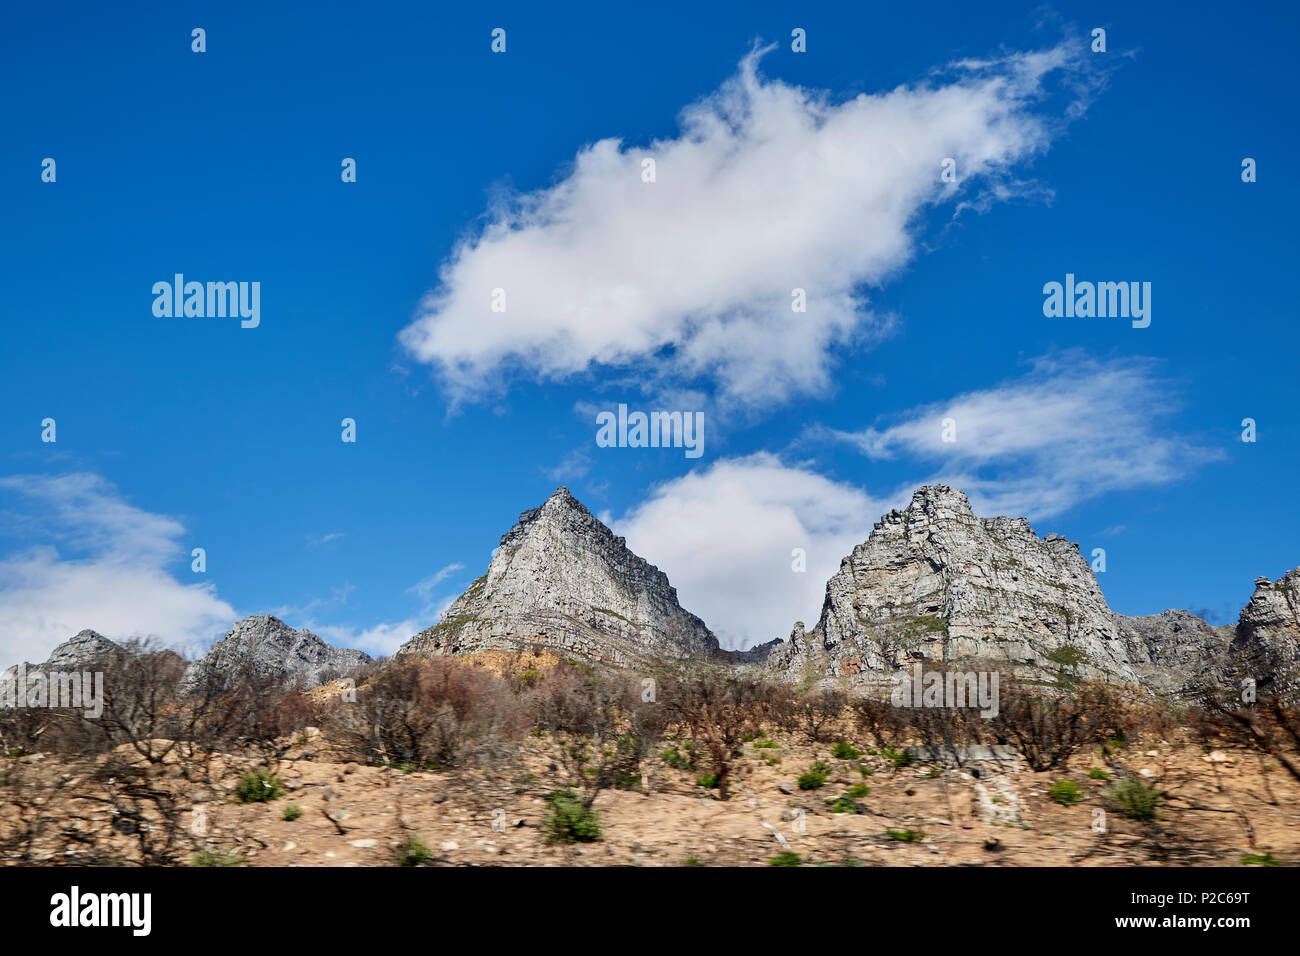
1273 615
1175 652
86 650
561 579
267 647
935 583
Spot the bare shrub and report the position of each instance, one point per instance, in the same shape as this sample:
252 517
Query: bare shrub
719 710
601 725
427 713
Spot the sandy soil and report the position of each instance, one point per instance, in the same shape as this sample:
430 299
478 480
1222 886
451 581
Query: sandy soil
1216 809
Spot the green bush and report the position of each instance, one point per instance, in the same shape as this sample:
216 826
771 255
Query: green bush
413 852
845 751
812 780
768 745
1255 859
258 786
568 821
785 858
678 760
906 836
292 812
822 767
626 780
898 758
216 858
1097 774
844 805
1134 798
708 783
859 790
1066 792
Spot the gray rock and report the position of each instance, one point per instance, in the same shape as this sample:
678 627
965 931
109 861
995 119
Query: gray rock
563 581
934 583
267 647
1272 618
964 753
1174 652
86 650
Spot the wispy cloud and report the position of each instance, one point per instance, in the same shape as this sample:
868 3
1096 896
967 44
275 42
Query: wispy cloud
1070 429
324 539
767 188
425 587
576 464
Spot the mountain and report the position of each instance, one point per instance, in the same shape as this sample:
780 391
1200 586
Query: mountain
1273 615
85 651
561 579
80 652
270 648
935 583
1175 651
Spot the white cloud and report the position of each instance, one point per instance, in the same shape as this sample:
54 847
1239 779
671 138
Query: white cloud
767 188
725 538
1069 430
102 565
378 641
425 587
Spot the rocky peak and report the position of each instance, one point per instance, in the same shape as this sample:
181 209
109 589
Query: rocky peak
561 578
933 582
1269 627
268 647
1274 608
80 651
85 650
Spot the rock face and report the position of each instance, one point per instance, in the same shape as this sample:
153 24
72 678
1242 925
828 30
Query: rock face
79 653
1175 652
270 648
1273 615
1266 644
561 579
935 583
86 652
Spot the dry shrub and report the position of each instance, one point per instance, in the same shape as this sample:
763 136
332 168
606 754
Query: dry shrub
427 713
604 724
720 710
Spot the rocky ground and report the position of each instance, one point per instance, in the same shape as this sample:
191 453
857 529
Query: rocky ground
1216 809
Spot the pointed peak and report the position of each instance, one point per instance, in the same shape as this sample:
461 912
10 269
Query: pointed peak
561 501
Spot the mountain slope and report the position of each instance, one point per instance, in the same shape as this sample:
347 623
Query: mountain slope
268 647
563 580
935 583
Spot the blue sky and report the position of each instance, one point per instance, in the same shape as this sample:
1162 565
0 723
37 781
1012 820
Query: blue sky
477 170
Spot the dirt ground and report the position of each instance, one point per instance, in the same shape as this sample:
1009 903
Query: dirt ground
1216 808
